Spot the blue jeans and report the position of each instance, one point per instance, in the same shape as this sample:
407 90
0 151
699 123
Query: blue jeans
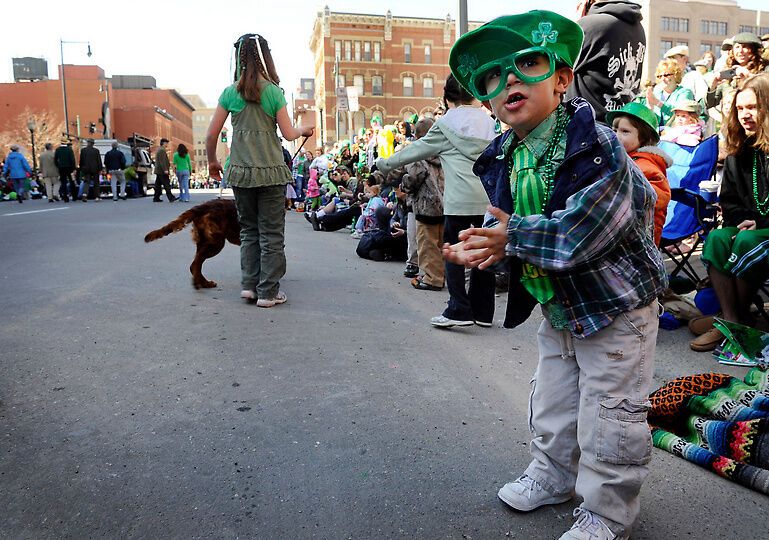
299 186
18 186
89 179
184 185
475 302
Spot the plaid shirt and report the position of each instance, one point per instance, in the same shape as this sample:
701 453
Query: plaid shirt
596 235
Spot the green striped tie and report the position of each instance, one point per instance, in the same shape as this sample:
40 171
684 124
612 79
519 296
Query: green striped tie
530 191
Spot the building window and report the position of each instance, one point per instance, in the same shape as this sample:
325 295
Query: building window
367 51
376 85
377 51
408 86
675 24
338 50
427 87
348 50
357 82
747 28
714 28
407 53
428 55
665 46
340 81
357 51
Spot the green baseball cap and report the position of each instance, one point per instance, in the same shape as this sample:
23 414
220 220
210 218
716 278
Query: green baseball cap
747 38
640 111
512 33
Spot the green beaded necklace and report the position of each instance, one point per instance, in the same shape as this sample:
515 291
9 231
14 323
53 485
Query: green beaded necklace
762 206
561 121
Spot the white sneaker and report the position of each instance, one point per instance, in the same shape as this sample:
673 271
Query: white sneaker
444 322
588 527
526 494
248 295
280 298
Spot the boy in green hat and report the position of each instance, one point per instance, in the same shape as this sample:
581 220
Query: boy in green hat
575 220
637 129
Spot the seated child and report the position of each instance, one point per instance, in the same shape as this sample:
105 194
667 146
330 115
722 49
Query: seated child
367 219
636 128
686 128
385 242
575 223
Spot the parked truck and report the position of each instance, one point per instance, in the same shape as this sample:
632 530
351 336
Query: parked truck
136 151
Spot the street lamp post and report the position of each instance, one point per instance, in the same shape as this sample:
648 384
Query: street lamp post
32 126
64 78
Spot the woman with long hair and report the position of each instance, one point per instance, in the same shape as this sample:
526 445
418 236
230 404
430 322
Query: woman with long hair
744 60
257 172
737 254
183 168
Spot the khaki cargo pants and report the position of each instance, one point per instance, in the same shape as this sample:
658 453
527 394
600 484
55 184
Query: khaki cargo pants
587 412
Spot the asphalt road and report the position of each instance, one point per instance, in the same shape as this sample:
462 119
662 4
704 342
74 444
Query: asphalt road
133 406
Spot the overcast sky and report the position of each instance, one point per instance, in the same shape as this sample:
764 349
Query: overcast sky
187 44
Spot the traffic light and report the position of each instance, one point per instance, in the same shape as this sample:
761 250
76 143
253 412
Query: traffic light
224 136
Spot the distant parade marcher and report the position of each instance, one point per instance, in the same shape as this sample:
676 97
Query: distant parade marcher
50 173
114 162
17 169
163 172
90 168
64 159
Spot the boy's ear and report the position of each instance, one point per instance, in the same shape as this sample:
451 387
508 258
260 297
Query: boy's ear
564 78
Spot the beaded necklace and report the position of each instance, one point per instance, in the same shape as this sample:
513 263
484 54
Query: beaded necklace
762 206
561 121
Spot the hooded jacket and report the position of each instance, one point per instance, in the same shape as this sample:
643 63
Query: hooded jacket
457 138
16 165
424 182
608 71
654 163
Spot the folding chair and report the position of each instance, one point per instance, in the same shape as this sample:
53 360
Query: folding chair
689 214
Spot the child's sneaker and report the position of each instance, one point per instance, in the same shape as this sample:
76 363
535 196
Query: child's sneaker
589 527
526 494
248 295
280 298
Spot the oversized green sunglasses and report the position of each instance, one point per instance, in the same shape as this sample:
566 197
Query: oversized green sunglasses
529 65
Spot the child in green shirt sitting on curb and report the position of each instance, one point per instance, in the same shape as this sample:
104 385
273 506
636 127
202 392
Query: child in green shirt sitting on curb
574 217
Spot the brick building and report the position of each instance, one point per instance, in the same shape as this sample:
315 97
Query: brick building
126 104
398 65
87 91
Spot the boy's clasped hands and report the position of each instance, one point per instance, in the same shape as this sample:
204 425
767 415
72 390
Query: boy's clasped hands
480 247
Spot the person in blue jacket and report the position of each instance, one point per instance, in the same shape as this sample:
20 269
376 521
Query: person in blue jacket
17 169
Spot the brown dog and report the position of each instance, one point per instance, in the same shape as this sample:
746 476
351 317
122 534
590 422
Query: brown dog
213 223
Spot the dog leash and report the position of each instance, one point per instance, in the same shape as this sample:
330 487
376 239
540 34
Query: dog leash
298 149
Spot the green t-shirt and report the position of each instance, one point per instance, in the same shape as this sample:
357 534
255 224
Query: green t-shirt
182 163
272 100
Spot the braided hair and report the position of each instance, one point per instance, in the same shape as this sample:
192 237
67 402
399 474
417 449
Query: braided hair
254 63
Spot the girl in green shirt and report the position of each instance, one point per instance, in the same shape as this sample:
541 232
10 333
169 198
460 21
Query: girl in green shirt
183 167
257 173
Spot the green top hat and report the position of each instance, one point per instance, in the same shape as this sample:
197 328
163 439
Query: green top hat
639 111
512 33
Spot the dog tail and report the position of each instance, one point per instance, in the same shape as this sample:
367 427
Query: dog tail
175 226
